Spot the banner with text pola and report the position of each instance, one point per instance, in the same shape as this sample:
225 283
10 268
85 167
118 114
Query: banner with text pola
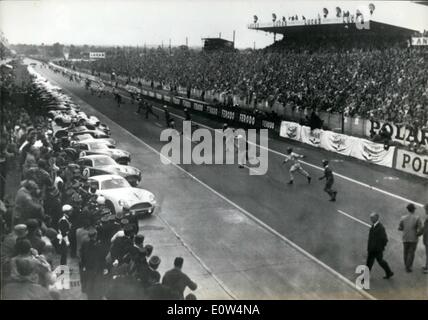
411 162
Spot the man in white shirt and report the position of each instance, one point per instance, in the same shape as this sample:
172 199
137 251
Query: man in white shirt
296 166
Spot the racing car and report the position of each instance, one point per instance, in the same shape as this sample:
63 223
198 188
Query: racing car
100 164
119 194
95 133
90 147
82 136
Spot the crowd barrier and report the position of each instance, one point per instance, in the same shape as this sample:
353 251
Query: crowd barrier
340 143
344 144
359 148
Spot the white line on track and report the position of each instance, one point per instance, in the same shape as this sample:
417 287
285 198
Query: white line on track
355 219
255 219
251 169
221 284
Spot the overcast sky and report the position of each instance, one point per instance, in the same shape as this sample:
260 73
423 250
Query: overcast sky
135 22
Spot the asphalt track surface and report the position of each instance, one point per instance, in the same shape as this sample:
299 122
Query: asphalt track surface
333 233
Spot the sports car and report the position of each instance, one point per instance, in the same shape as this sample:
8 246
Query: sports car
101 164
119 194
90 147
81 137
96 133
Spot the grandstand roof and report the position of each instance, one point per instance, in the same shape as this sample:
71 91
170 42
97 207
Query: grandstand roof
330 26
217 43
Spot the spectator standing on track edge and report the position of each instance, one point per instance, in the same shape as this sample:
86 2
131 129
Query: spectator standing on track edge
411 226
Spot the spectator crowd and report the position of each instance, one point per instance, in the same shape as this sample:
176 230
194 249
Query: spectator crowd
56 218
386 83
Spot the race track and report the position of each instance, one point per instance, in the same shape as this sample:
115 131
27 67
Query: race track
334 234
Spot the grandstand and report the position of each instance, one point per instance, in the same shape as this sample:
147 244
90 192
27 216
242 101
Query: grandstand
348 32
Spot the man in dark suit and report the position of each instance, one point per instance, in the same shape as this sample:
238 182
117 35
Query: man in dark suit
376 245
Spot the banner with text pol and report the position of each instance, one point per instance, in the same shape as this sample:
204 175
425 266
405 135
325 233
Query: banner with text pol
411 162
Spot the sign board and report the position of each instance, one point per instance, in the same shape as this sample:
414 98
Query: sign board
97 55
412 163
419 41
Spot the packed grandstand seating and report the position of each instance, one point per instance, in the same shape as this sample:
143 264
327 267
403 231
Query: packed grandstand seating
386 83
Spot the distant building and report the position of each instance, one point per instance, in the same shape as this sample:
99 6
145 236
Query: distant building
97 55
211 44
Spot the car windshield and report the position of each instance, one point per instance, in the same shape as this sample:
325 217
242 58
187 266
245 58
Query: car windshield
97 145
103 161
114 183
82 137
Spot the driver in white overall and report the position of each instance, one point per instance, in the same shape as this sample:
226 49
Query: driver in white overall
296 166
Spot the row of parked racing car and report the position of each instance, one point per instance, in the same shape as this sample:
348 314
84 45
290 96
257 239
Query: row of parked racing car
95 153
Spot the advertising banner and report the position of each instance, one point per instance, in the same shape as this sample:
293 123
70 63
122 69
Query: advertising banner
247 118
411 162
401 134
337 142
419 41
97 55
198 106
176 100
310 137
268 124
290 130
372 152
228 115
187 103
212 110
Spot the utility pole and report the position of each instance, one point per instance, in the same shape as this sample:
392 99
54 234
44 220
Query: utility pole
187 42
234 38
170 46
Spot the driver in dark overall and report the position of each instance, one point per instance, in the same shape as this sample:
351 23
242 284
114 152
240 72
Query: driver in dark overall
328 175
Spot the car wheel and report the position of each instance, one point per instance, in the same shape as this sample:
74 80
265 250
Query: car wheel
123 161
110 205
133 181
